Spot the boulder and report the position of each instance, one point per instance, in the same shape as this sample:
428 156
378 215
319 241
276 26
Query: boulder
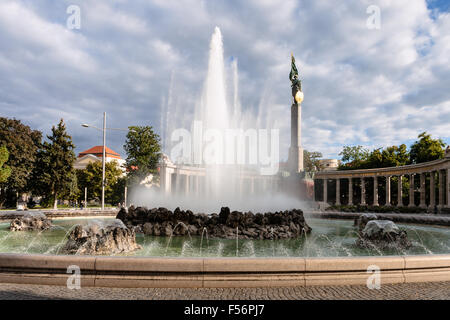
383 234
361 221
104 237
31 221
148 228
161 221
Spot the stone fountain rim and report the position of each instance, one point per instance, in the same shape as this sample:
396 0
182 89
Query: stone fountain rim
125 271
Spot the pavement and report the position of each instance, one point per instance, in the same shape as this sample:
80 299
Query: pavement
403 291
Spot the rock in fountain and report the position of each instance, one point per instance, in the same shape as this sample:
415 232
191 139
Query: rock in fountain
31 221
163 222
383 234
361 221
101 237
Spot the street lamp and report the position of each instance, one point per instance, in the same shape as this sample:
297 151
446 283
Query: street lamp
85 125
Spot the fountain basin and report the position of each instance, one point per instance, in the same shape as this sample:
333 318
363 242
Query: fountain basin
195 268
220 272
328 238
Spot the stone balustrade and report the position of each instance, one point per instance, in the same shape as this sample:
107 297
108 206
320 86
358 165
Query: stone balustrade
431 176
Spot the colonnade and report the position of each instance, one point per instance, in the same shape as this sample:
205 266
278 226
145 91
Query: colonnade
440 176
192 181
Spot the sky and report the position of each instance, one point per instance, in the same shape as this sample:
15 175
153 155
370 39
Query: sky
374 87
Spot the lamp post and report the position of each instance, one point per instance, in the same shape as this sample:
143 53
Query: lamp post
104 152
103 161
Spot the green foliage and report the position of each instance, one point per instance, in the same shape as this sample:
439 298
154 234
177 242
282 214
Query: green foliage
53 174
22 144
72 191
395 156
91 178
423 150
5 171
426 149
360 158
311 161
118 191
353 157
143 152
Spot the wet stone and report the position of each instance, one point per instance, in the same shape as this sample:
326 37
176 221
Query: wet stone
31 221
102 237
383 234
226 224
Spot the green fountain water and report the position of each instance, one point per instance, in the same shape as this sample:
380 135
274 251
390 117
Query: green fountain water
329 238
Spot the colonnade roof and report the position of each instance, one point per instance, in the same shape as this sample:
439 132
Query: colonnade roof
424 167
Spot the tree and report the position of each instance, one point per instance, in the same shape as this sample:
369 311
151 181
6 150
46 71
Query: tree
54 173
311 160
5 171
360 158
22 143
395 156
353 157
118 191
143 152
392 156
91 178
426 149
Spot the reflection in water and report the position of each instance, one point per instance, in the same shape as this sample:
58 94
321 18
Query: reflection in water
329 238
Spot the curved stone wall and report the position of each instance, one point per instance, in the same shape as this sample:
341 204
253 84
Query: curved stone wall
99 271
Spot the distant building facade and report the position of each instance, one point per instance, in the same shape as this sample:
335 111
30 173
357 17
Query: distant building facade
95 154
328 164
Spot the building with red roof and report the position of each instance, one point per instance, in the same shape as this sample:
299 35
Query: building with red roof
95 154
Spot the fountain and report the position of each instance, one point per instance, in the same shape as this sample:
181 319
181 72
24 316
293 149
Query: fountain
266 239
230 151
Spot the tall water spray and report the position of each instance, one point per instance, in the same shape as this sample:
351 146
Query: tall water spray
227 181
214 103
215 115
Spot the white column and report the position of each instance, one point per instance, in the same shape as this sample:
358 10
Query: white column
186 184
197 185
422 191
350 191
432 190
166 179
388 191
363 191
314 191
375 191
411 190
448 188
325 191
338 192
296 150
441 189
400 192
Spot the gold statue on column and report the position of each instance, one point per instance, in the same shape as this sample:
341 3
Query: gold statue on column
297 93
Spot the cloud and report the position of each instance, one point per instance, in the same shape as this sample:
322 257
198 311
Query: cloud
144 63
